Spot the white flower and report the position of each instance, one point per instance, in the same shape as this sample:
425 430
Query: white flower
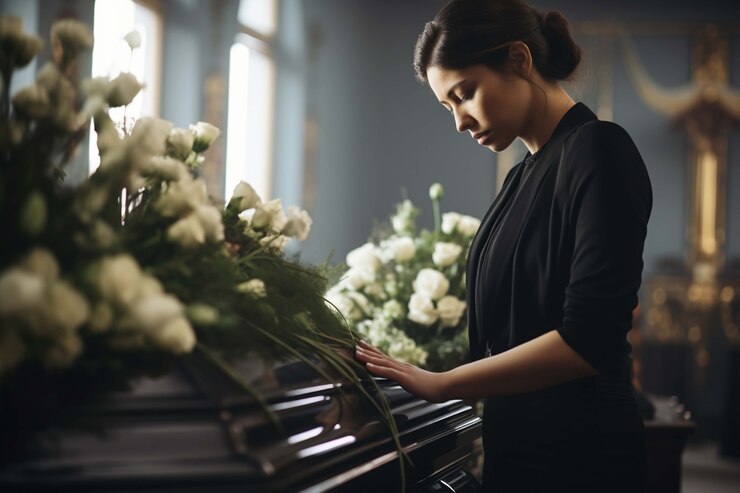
177 336
450 310
72 35
150 135
205 134
403 220
210 218
298 224
421 310
182 197
67 308
166 167
364 256
449 222
12 350
151 313
445 254
202 314
468 225
436 191
274 241
431 283
393 309
359 277
180 143
41 262
20 292
119 279
188 232
133 39
401 248
343 304
254 287
269 215
31 101
123 89
245 197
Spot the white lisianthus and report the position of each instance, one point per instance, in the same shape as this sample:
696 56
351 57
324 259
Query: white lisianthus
150 135
176 336
205 134
188 232
210 218
42 263
445 254
133 39
180 143
450 310
298 224
402 248
449 222
20 292
245 197
275 241
436 191
468 225
31 102
421 310
254 287
119 279
123 89
269 215
364 256
431 284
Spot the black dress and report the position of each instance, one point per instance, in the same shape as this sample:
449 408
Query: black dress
561 249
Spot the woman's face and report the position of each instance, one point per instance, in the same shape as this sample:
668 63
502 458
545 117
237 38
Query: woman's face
492 106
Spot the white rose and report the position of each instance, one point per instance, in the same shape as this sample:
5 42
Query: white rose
20 292
166 167
366 255
119 279
66 307
402 248
12 350
359 277
108 140
123 89
150 135
298 224
450 310
31 101
42 263
276 242
468 225
133 39
210 219
421 310
177 336
245 197
254 287
431 284
269 215
449 222
205 134
180 143
188 232
445 254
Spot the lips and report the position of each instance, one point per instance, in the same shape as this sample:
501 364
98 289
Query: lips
481 136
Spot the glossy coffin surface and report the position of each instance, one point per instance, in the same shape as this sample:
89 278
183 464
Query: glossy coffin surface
194 430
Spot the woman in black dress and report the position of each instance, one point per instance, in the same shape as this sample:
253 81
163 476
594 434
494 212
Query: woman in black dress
555 267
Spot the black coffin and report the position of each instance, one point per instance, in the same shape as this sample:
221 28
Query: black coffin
194 430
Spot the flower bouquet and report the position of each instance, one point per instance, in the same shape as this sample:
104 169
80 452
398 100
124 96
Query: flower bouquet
135 268
405 291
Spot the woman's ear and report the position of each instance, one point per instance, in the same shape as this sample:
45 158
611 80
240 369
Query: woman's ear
520 58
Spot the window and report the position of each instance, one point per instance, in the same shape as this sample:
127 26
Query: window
114 19
249 136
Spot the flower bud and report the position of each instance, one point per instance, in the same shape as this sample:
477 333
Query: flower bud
436 191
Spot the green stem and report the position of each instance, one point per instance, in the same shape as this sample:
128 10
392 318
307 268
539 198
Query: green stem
437 217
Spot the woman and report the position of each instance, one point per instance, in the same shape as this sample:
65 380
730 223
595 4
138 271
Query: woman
555 267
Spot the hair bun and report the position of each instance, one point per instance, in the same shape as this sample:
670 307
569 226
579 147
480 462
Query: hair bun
564 55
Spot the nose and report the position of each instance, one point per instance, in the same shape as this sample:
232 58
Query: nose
463 121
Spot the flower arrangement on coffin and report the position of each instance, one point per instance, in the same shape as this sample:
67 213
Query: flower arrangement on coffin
405 292
97 286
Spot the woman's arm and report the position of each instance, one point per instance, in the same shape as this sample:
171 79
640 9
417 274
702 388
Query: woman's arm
537 364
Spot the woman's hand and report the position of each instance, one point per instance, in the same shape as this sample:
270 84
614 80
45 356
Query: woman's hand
425 384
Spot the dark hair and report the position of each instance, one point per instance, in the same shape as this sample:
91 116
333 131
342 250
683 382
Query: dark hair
471 32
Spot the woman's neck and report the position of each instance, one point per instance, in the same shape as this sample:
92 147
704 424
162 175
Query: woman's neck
544 116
